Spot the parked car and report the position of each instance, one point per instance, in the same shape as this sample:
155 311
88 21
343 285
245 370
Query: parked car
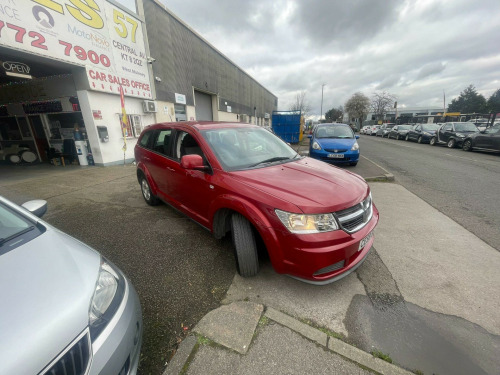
453 134
384 130
334 143
65 308
422 133
488 140
372 129
399 131
363 129
315 221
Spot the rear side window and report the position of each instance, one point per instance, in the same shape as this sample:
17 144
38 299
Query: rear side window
162 142
145 139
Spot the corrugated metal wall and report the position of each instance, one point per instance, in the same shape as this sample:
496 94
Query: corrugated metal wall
184 60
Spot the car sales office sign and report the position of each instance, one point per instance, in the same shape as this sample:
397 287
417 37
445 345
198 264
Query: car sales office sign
96 34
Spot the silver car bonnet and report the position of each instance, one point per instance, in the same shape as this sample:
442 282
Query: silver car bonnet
46 286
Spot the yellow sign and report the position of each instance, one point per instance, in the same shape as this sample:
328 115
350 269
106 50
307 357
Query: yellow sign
452 114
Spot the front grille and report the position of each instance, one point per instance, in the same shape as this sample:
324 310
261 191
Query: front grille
335 150
330 268
356 217
74 361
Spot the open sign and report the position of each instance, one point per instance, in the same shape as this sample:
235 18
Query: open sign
16 67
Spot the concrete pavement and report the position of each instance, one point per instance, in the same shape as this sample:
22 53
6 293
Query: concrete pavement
242 338
427 296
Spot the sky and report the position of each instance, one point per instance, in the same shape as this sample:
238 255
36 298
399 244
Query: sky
413 49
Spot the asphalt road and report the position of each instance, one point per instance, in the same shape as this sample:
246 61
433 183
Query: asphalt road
179 270
462 185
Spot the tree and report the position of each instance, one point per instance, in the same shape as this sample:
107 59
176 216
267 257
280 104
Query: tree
358 106
334 114
469 101
494 102
381 103
300 104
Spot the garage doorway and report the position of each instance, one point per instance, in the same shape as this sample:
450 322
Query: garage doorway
203 106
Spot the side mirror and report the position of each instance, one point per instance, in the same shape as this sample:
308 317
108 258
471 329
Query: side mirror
37 207
309 136
357 137
193 162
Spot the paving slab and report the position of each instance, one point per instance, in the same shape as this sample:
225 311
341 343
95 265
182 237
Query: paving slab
324 305
231 325
181 356
276 350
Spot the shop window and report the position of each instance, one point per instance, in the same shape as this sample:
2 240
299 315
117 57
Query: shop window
134 126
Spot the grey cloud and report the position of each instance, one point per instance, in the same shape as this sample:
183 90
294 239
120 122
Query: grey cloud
431 69
388 82
412 49
345 22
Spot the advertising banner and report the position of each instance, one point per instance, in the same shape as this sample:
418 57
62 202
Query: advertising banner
91 33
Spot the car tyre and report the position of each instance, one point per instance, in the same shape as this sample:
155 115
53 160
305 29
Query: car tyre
245 247
467 146
419 140
147 194
354 164
451 143
432 142
397 137
407 138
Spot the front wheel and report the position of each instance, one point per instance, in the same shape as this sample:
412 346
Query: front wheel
245 247
467 146
451 143
432 142
147 193
407 138
419 140
354 164
397 137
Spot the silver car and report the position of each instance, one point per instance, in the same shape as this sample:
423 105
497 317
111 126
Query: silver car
64 308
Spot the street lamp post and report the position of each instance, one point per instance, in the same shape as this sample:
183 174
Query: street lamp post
322 86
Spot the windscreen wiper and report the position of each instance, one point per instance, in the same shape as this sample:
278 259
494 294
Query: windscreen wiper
11 237
277 158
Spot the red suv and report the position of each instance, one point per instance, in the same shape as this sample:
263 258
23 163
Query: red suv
315 220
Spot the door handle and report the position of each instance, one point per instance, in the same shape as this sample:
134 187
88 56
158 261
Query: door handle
171 169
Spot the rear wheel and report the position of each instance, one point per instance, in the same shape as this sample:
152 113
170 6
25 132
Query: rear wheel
451 143
419 140
245 247
147 193
467 146
432 142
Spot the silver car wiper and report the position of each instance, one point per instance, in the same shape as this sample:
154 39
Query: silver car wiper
11 237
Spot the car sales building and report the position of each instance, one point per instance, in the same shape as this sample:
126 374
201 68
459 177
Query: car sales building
76 81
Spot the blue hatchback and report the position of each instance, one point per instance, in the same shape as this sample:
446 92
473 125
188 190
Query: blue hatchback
334 143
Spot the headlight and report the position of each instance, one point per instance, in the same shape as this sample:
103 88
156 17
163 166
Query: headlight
427 133
460 135
355 146
316 146
303 224
108 294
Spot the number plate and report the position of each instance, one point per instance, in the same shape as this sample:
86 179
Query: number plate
365 240
336 156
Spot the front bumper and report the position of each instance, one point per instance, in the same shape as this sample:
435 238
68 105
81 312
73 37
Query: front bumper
349 156
116 350
307 254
